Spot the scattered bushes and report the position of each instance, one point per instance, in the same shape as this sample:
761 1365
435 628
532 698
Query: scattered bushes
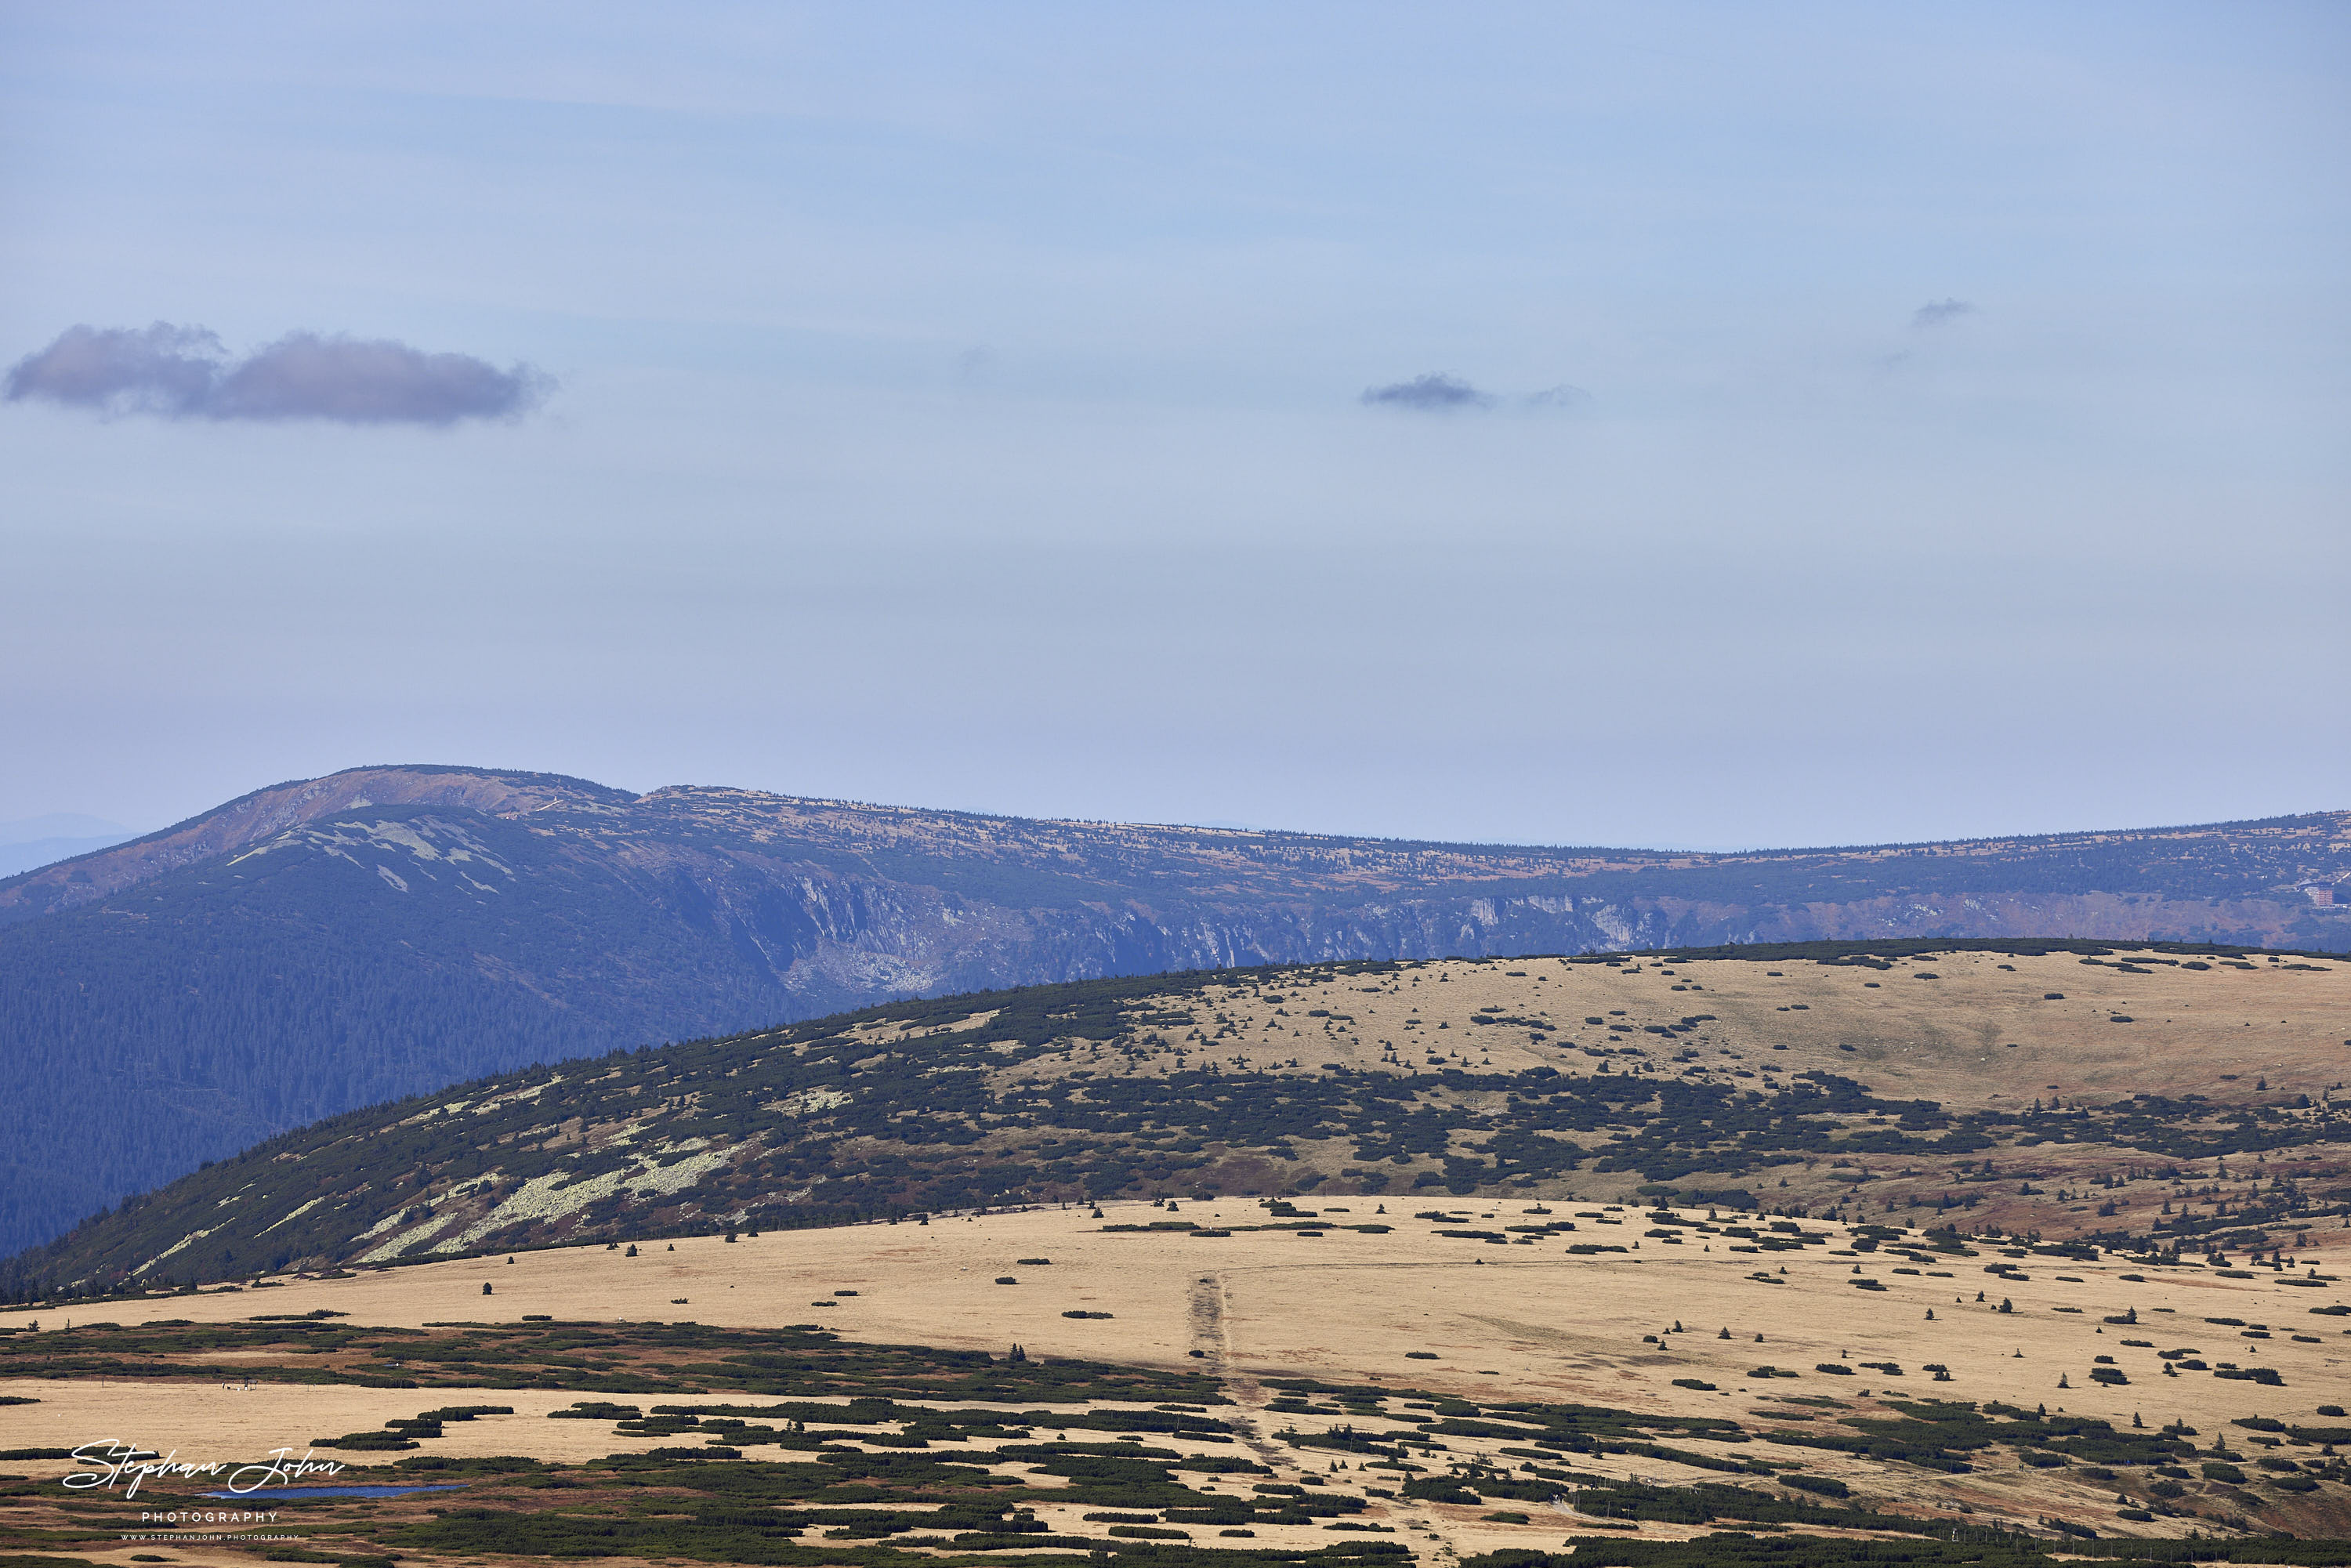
1825 1486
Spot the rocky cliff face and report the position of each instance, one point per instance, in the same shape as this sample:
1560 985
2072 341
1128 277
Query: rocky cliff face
335 942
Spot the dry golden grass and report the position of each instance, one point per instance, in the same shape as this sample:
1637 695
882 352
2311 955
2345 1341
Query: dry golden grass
1516 1322
1980 1034
1972 1030
1503 1322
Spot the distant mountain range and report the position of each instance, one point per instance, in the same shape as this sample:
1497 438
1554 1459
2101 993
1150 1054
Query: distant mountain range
36 853
332 942
39 841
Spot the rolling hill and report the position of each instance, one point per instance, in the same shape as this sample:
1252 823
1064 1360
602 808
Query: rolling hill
339 942
2077 1093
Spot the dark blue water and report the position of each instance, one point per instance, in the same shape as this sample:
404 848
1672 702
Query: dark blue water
266 1493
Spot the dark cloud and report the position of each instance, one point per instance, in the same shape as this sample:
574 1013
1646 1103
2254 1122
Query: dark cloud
1560 397
160 368
1936 312
184 372
1430 393
305 376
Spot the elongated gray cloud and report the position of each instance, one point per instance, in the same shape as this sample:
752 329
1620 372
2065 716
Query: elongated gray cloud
184 372
1432 393
1939 312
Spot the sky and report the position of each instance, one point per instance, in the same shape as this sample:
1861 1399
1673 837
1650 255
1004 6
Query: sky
1684 425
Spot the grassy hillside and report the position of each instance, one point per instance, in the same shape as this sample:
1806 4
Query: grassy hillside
1323 1378
2174 1099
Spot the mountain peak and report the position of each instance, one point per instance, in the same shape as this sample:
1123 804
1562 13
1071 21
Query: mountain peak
249 818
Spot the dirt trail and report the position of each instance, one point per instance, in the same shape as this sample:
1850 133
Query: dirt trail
1210 1326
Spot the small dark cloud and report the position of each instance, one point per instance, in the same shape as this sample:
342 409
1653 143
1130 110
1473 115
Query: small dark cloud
1937 312
306 376
1560 397
976 366
185 372
1430 393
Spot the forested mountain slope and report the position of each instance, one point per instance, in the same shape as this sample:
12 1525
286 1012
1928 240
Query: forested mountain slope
332 942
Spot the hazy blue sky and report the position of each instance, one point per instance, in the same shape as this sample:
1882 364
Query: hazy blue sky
1855 423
